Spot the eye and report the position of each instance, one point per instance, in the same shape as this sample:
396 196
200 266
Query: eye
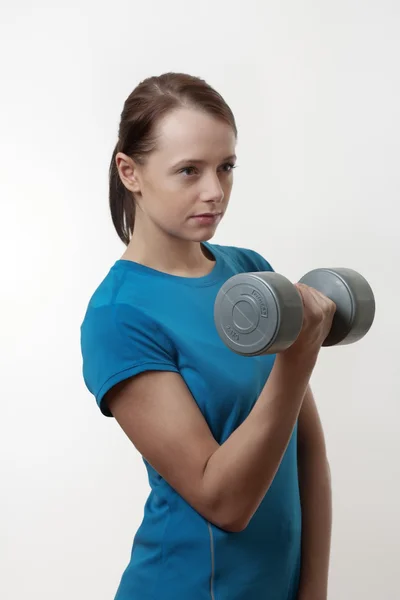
187 169
230 166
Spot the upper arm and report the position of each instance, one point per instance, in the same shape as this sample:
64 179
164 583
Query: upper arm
310 435
159 415
130 367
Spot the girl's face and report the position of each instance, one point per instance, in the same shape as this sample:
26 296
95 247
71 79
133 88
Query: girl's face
189 173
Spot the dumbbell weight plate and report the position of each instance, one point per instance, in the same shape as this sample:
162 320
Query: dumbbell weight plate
354 299
258 313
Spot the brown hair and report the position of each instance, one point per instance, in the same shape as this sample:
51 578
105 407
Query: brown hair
152 99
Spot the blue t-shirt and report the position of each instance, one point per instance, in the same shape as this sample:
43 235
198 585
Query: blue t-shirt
141 319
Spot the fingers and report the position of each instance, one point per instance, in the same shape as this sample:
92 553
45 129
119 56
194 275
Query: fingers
320 301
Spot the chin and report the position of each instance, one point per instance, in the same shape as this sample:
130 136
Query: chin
203 236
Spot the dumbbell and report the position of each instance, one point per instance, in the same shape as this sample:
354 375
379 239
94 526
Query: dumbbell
262 312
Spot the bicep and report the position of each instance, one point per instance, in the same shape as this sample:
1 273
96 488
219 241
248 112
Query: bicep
161 418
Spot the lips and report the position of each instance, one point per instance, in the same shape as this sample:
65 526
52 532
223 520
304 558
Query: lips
207 215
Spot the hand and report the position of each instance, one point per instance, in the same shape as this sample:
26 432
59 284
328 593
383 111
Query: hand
318 313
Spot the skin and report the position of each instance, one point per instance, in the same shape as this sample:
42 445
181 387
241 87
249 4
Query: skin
168 194
316 503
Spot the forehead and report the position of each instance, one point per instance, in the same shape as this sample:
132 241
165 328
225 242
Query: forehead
187 130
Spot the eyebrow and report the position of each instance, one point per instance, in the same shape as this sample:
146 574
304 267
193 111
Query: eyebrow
198 161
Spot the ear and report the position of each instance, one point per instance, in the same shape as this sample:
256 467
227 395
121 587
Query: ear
128 172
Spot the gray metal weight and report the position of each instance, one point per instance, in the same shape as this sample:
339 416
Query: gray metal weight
258 313
354 299
262 312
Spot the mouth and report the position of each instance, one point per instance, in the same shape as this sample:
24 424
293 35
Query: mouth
207 218
209 215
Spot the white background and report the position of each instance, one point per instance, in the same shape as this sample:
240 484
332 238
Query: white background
315 88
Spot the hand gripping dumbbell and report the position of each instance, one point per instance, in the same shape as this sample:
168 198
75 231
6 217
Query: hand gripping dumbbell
262 312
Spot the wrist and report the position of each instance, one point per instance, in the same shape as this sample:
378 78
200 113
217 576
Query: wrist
298 359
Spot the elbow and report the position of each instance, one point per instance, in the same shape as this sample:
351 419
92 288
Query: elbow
234 516
226 515
238 526
230 526
229 521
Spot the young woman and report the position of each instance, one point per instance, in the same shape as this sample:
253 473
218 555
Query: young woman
240 502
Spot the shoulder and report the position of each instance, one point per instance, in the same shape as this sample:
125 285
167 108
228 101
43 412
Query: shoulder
247 259
119 341
118 323
114 307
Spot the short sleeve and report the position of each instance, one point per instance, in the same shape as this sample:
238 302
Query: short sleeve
118 342
261 263
251 260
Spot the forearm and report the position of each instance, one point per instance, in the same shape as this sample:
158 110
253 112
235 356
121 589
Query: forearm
240 471
316 504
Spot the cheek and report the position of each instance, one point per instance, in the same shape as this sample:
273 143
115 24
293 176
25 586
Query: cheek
227 186
168 206
170 188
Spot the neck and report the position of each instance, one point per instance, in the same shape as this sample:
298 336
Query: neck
168 254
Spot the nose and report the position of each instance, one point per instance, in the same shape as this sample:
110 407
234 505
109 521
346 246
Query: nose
212 189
